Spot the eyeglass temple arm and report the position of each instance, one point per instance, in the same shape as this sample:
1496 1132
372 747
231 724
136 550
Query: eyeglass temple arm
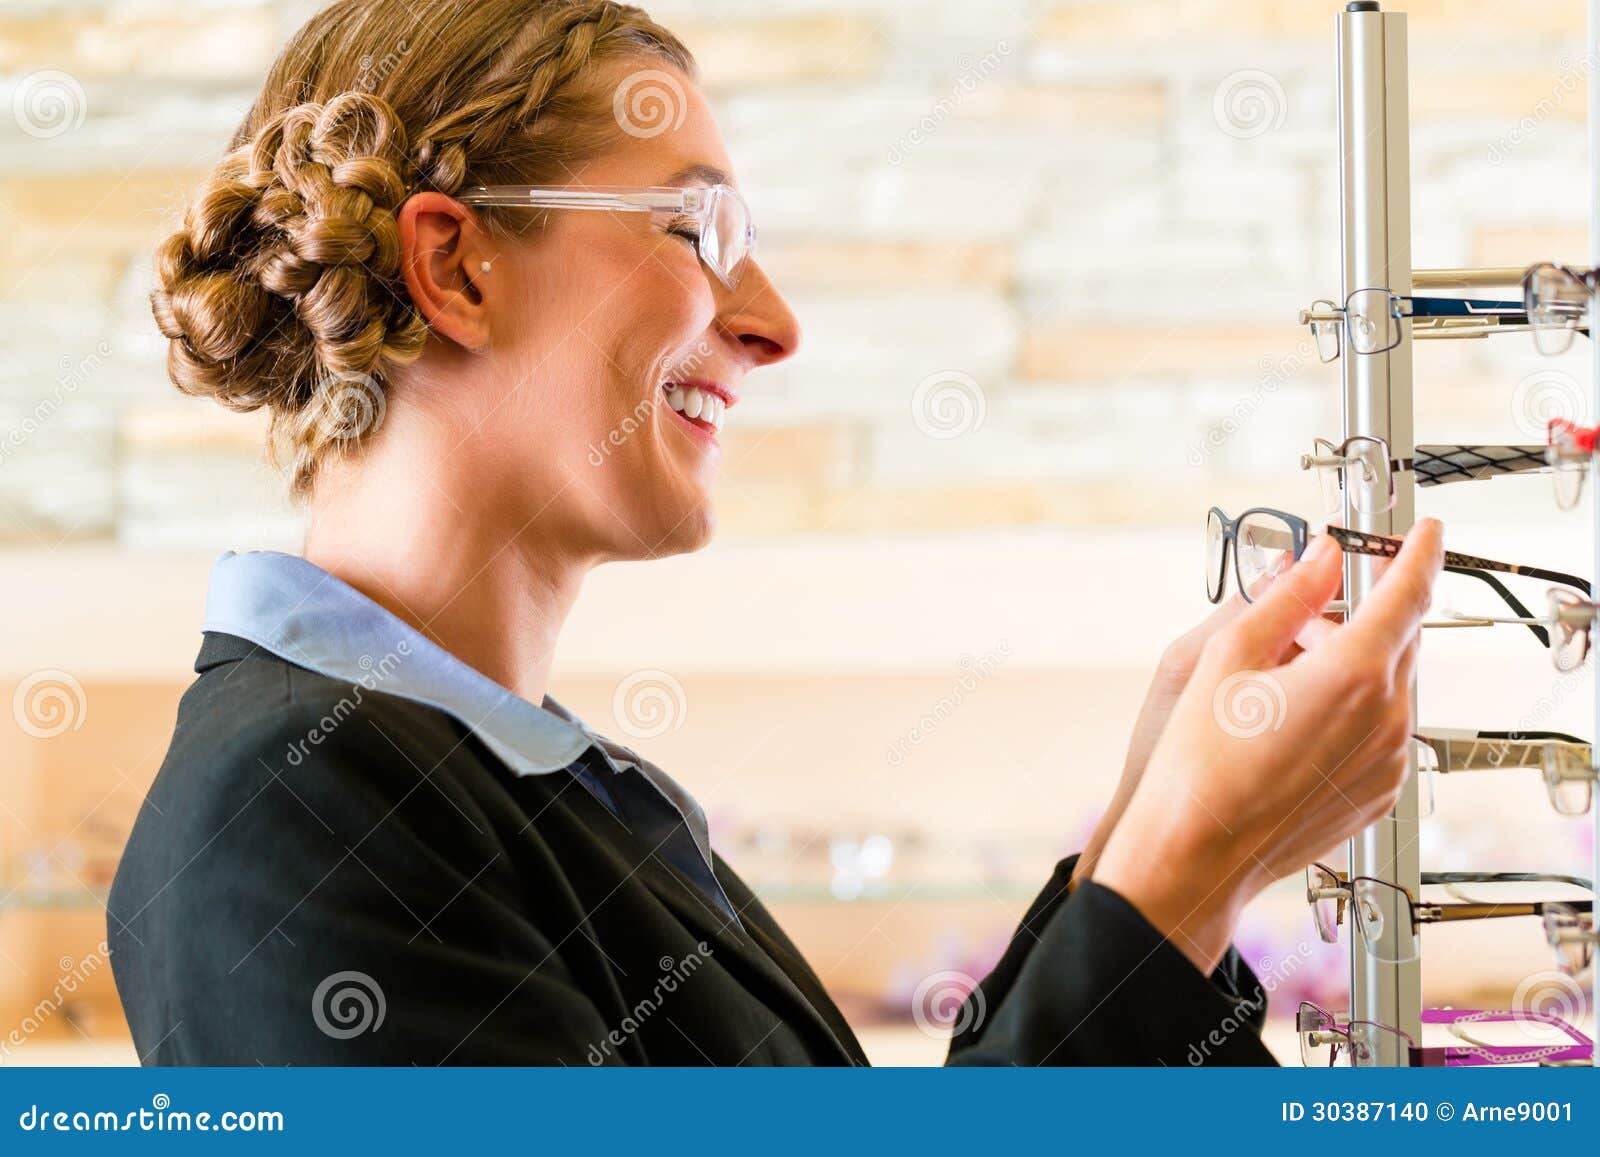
519 195
1446 913
1360 542
1532 622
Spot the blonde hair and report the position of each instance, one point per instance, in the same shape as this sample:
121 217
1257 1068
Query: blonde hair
283 288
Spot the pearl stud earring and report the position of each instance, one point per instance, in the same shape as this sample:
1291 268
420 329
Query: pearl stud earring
484 267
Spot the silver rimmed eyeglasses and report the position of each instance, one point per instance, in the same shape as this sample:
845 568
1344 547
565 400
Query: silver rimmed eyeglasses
1554 306
1369 321
714 217
1369 900
1363 466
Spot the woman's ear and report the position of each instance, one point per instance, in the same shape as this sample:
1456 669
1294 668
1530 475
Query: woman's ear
443 256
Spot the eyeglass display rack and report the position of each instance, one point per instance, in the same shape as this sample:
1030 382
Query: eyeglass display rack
1375 240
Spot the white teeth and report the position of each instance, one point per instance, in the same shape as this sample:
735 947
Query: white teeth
693 402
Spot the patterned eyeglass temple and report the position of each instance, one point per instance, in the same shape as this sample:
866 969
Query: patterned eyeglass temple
1361 542
1438 464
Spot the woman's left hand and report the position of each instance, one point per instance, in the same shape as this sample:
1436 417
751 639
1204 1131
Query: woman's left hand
1171 677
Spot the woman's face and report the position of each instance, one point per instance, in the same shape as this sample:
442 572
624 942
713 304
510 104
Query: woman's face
593 323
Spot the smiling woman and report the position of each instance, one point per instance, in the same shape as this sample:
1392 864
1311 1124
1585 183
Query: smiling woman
487 266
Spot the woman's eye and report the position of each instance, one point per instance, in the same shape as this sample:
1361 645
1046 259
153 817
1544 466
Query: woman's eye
689 232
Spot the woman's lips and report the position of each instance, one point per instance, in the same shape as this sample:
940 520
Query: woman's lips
699 428
701 406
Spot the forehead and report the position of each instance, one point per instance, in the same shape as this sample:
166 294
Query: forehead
665 134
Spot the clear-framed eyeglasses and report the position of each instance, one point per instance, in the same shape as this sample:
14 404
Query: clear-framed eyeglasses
1571 450
1556 300
715 217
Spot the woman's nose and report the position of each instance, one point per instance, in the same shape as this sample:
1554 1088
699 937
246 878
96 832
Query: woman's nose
756 314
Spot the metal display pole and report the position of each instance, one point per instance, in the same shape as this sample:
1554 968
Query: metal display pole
1375 235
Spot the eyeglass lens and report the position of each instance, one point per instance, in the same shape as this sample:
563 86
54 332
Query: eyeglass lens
726 245
1369 316
1371 902
1264 545
1557 300
1572 617
1324 908
1216 556
1570 936
1569 465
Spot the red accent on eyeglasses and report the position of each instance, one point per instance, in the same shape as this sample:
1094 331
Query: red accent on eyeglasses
1584 438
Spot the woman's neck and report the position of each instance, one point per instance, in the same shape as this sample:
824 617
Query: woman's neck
436 556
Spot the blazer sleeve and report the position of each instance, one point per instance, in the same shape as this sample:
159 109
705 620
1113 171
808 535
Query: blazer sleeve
1087 980
348 908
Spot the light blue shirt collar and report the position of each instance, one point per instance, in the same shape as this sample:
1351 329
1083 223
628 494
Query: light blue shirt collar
300 612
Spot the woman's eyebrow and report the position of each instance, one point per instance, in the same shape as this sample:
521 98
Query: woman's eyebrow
699 174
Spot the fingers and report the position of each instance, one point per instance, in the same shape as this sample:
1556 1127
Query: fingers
1389 617
1295 598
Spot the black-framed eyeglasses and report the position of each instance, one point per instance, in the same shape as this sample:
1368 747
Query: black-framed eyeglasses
1368 900
1264 541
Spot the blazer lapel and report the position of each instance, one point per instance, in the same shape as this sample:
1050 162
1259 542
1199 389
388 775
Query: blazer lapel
756 961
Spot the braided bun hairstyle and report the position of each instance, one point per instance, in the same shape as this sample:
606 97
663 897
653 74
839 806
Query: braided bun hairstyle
283 288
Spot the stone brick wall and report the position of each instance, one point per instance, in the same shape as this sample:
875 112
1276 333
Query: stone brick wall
1048 254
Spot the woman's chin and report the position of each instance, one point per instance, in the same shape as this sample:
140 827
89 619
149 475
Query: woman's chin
681 532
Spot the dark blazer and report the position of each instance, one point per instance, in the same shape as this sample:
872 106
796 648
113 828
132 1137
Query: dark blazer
325 874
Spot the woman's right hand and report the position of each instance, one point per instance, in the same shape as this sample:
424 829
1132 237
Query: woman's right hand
1272 756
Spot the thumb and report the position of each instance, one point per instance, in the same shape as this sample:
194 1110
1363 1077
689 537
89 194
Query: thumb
1294 599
